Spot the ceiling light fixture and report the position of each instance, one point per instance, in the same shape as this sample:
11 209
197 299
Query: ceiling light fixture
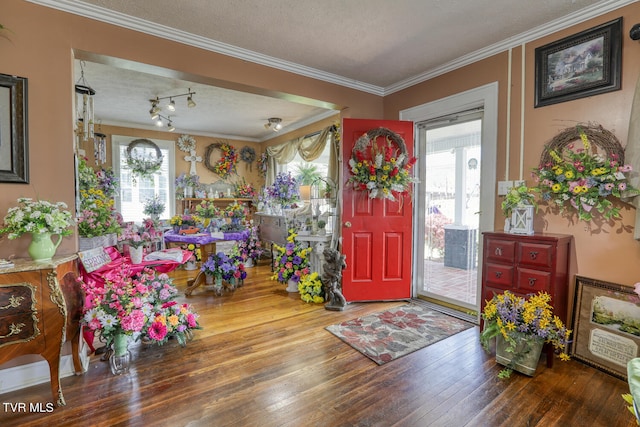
158 121
171 105
274 123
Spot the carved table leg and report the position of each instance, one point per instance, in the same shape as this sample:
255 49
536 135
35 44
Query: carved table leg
197 281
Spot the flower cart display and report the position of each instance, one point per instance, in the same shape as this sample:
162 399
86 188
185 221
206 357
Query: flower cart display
42 220
584 177
521 325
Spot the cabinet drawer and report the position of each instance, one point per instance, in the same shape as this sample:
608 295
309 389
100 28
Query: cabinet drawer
501 250
535 255
499 275
532 281
16 299
18 328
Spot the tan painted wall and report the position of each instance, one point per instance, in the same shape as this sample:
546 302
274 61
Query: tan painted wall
608 253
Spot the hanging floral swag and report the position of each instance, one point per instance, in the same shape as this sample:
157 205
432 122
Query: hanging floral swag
262 164
143 166
583 176
383 171
226 165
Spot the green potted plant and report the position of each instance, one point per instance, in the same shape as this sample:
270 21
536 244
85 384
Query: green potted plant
521 325
321 227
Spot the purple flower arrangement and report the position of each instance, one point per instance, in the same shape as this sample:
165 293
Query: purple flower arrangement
285 190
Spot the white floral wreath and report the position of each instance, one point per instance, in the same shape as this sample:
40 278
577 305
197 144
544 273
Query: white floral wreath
186 143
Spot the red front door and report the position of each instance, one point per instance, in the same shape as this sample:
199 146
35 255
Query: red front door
377 233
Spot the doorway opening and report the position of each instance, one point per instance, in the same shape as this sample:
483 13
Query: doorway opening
452 162
466 202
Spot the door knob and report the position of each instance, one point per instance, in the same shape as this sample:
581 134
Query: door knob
347 224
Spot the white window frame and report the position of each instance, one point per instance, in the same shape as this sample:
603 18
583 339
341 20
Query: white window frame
169 146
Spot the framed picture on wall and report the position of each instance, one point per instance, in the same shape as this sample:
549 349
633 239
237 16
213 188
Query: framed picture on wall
14 155
584 64
606 325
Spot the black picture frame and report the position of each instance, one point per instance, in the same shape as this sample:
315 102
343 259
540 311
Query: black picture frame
14 146
581 65
605 317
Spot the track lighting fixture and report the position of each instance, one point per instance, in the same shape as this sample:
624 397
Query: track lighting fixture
274 123
158 121
171 105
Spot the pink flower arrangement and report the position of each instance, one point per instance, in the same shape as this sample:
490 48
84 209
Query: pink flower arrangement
139 306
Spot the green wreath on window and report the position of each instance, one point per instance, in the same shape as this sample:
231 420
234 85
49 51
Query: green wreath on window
140 165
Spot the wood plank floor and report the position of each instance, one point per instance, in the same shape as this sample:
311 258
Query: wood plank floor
264 359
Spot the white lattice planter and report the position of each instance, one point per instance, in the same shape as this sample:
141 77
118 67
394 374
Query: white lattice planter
86 243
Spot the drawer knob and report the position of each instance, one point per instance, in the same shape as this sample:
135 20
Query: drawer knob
499 251
14 329
533 254
532 281
498 274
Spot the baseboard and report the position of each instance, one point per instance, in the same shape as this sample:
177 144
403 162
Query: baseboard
30 374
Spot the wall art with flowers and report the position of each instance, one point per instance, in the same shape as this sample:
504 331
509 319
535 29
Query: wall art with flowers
582 170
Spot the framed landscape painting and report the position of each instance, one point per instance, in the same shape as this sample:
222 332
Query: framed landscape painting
585 64
606 325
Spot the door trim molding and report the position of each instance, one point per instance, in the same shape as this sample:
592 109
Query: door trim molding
485 96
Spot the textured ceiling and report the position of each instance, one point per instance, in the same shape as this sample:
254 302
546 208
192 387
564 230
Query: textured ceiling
373 45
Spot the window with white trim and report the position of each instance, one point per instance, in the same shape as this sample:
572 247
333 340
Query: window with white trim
133 195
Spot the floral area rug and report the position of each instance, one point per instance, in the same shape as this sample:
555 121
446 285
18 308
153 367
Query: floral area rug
390 334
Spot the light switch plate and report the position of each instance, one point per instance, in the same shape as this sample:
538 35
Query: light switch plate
503 187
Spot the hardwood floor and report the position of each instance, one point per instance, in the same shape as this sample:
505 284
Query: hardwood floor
263 358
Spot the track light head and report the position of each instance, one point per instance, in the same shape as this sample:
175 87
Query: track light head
171 106
170 126
190 102
274 123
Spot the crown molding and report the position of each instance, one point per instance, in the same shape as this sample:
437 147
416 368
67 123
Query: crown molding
508 44
125 21
108 16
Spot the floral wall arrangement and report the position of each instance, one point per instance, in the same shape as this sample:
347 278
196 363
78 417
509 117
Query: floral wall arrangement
582 169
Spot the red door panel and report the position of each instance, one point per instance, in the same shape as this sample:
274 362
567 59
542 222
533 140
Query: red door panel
377 233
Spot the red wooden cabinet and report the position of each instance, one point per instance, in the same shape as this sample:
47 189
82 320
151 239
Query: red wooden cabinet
525 264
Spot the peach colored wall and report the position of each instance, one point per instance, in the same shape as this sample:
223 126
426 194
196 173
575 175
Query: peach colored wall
609 253
40 47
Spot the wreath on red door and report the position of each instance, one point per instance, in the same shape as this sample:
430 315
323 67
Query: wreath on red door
381 169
